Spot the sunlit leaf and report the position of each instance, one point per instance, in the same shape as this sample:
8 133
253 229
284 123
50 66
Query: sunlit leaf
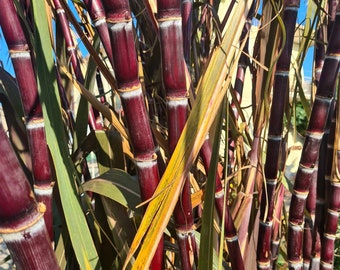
210 96
66 175
117 185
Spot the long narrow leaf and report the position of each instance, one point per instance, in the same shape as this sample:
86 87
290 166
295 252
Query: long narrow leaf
203 114
116 185
207 231
66 175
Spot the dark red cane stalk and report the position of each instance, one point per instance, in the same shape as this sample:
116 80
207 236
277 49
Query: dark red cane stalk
333 203
125 65
310 151
94 118
97 13
174 79
309 225
280 91
187 9
25 75
21 218
230 232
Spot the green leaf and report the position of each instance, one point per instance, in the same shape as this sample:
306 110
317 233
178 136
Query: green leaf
66 174
207 231
211 91
214 265
117 185
9 88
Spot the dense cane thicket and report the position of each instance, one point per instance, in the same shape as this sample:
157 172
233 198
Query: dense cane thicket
170 134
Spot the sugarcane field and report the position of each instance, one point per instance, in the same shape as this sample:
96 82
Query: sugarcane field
169 135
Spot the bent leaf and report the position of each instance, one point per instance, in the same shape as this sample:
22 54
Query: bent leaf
117 185
210 96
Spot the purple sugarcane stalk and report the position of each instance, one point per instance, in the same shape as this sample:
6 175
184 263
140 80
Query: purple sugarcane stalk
276 237
174 78
25 75
187 9
333 202
98 17
319 53
125 65
21 218
310 151
309 224
230 230
94 118
280 91
332 9
231 235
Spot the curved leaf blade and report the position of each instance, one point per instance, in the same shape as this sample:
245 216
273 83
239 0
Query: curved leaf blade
117 185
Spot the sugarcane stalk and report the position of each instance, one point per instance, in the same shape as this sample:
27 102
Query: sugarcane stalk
186 11
310 151
309 223
317 200
332 10
100 86
22 224
94 118
64 102
25 75
319 52
125 65
333 202
276 236
230 232
280 92
173 68
98 17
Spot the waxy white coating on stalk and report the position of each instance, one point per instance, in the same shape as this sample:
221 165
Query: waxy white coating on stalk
183 234
272 182
295 227
275 137
117 27
146 164
60 10
232 239
20 54
35 124
333 213
219 194
282 73
99 22
305 169
131 94
295 265
43 191
267 224
291 8
331 237
326 265
170 21
333 56
314 135
70 48
262 265
30 231
300 195
181 102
